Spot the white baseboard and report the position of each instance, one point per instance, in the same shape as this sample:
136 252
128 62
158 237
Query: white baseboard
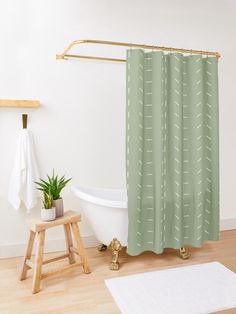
228 224
55 245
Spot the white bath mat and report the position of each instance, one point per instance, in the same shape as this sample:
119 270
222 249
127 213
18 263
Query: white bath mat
196 289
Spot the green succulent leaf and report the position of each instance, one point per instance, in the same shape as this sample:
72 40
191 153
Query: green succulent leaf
52 187
48 200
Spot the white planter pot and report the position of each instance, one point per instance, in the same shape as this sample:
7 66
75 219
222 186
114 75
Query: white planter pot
48 214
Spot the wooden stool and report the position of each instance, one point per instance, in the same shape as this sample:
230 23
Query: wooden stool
69 221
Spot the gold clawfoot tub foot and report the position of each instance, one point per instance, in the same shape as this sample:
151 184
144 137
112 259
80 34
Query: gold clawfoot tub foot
183 253
102 247
115 247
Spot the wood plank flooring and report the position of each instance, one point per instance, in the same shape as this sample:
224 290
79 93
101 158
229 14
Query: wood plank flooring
75 292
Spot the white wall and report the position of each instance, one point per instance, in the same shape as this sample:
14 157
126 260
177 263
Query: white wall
80 128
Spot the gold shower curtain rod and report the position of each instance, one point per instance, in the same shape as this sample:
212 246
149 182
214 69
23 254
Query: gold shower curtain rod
66 55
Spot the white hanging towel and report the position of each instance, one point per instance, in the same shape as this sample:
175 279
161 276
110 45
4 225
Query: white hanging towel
24 174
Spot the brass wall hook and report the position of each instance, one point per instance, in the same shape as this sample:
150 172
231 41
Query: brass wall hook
24 121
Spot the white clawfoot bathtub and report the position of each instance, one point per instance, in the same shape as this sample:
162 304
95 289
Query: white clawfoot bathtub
106 210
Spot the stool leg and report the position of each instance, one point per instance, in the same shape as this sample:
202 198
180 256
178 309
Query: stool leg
69 243
80 247
27 256
38 262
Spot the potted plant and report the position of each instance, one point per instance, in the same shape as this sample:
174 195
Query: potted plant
54 186
48 212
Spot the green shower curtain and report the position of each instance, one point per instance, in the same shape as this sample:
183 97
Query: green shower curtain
172 165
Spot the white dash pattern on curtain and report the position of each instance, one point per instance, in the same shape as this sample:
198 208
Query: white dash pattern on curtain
171 150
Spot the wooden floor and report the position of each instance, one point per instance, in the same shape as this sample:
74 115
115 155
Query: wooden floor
75 292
